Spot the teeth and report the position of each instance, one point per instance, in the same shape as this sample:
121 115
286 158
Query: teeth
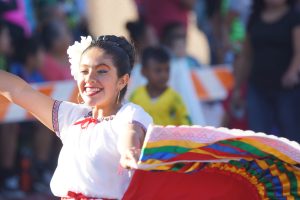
92 89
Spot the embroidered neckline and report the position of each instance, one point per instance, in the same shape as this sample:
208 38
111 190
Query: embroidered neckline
106 118
88 119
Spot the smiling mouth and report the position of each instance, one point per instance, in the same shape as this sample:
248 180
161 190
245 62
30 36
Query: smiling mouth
91 91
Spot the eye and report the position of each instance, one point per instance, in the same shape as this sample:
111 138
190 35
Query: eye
84 71
102 71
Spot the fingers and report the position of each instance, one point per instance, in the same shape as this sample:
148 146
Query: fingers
129 158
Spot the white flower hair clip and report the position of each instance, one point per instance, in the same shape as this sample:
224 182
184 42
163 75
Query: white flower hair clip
75 51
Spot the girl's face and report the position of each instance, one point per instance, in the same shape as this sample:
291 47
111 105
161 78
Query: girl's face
98 81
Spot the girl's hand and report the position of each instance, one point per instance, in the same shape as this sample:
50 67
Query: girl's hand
129 144
129 158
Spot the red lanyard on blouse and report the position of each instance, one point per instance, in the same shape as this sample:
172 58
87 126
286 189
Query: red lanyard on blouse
86 121
89 120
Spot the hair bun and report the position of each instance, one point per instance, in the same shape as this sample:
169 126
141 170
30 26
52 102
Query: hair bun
122 43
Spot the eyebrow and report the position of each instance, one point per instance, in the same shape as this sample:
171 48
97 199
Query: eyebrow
97 65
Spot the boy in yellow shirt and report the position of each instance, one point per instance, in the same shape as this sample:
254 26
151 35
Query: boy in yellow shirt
163 103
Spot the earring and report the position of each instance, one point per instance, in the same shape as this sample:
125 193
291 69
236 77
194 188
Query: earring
118 98
79 99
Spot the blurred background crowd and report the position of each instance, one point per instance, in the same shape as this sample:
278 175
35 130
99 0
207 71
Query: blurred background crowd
258 41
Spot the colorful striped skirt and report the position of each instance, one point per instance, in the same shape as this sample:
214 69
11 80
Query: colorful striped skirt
266 165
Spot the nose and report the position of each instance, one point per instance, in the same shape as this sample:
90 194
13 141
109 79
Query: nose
90 77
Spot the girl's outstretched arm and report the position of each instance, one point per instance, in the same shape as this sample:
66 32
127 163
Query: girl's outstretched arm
21 93
130 145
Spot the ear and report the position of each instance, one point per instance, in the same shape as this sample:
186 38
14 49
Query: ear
123 81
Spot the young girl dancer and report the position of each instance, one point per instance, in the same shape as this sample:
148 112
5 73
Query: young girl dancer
97 135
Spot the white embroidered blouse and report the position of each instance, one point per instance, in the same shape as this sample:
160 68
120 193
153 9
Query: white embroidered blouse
89 159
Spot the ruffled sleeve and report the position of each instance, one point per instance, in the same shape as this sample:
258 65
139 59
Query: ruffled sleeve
64 115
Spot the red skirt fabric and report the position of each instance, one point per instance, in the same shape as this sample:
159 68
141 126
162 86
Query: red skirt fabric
206 184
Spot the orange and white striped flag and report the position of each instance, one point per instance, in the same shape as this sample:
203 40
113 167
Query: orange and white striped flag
212 83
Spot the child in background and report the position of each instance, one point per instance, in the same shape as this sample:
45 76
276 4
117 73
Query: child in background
174 38
157 98
30 62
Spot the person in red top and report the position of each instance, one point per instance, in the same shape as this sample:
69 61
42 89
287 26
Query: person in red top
56 38
158 13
